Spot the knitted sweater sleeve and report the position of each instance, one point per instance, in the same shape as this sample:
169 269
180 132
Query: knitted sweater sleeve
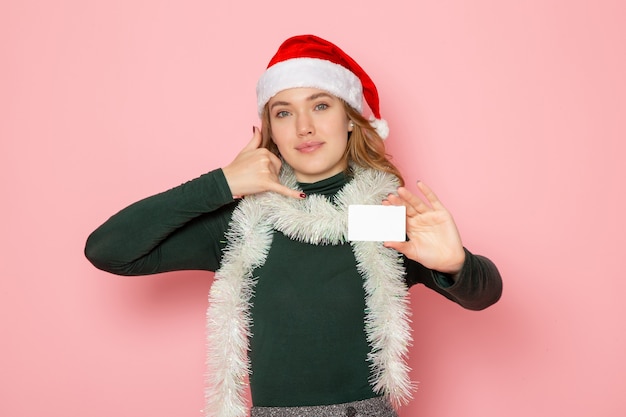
476 287
179 229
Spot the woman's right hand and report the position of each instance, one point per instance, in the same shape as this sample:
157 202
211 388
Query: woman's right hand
255 170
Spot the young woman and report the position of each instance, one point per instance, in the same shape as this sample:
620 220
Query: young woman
317 323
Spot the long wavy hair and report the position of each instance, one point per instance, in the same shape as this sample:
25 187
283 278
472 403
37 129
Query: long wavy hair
365 147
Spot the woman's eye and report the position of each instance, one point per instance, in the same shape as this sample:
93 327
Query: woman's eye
321 106
282 114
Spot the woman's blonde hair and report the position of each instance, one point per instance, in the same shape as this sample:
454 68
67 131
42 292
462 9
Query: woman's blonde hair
365 147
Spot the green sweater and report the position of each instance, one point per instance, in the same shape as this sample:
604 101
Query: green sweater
309 345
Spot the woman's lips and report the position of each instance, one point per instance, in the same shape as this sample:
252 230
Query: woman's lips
308 147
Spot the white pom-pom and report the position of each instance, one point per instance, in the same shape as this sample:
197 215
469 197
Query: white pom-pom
381 126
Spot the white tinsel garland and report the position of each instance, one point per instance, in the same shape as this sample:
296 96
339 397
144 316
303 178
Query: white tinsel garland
314 220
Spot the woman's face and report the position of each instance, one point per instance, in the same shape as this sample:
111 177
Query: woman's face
310 128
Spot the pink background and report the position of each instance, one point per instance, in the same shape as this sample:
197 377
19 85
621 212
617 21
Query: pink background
512 111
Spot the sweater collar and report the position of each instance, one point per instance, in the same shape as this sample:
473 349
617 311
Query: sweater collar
327 187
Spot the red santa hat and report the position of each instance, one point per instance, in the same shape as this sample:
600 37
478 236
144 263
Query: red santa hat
312 62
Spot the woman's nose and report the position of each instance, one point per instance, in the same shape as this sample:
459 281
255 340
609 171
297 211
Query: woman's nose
304 125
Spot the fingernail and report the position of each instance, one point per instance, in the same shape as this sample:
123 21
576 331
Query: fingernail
253 129
302 195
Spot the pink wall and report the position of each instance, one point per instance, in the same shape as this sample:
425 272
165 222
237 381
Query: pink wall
512 111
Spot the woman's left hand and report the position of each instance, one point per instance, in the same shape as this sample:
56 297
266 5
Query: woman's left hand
433 238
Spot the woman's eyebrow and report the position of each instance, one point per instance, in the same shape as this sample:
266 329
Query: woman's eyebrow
310 98
279 103
318 95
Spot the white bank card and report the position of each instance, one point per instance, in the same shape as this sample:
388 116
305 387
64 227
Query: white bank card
377 223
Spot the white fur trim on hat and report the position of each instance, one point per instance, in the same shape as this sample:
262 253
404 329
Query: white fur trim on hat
381 126
310 73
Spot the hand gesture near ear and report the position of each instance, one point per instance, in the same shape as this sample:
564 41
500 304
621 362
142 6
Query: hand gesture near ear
433 238
255 170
